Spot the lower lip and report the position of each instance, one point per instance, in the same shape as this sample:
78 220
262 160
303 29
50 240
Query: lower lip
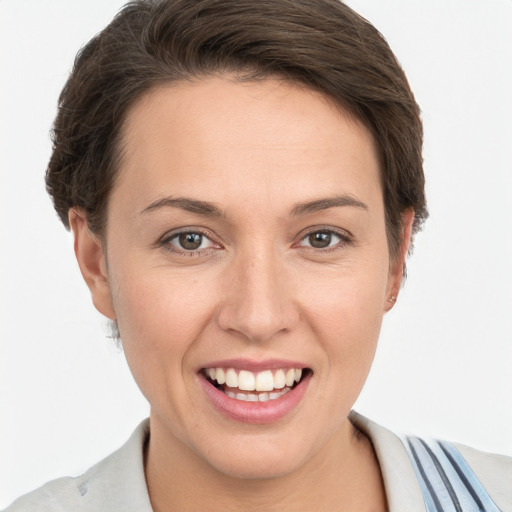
258 413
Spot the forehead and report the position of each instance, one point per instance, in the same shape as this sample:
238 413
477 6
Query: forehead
224 139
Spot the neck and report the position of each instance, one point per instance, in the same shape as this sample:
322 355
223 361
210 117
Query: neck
343 476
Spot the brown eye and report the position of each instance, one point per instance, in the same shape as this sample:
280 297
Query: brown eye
190 241
320 240
325 239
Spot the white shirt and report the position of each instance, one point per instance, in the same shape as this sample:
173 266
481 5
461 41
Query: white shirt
117 483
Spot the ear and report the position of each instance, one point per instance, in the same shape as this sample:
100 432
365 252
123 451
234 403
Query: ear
396 267
92 263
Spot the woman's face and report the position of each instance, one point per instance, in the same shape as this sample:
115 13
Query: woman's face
246 233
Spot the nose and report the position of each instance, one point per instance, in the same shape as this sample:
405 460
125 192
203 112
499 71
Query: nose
258 302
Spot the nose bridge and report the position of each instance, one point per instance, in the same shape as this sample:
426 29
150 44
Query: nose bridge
257 303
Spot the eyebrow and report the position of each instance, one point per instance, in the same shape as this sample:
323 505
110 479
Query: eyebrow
190 205
325 203
208 209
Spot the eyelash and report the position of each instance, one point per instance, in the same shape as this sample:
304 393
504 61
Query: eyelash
167 239
345 239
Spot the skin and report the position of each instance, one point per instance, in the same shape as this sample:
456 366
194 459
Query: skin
256 289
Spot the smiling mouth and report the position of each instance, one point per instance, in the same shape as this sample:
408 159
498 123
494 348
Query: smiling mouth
250 386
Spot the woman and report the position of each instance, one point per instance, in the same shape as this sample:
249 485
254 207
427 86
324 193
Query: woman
243 181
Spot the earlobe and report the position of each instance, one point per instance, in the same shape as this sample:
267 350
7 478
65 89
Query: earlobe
396 269
91 260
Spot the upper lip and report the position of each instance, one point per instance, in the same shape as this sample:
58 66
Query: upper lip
254 365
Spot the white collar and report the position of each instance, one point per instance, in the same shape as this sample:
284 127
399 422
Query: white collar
121 475
403 491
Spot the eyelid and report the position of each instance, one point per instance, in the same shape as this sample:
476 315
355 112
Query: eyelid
345 236
170 235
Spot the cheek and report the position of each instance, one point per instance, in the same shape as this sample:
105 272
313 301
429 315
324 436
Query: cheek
157 301
346 311
159 318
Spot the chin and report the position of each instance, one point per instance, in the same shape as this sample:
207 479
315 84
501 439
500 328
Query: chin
261 456
257 466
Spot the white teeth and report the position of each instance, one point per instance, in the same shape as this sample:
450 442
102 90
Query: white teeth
255 397
265 381
231 378
246 381
279 380
221 376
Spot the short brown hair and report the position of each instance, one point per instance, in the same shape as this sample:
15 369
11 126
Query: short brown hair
322 44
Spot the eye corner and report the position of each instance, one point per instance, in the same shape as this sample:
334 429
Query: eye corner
189 241
327 239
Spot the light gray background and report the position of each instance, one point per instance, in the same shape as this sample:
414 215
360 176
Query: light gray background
444 364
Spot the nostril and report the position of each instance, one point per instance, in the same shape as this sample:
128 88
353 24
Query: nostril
258 309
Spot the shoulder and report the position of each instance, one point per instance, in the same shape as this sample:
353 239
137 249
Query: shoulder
116 483
461 476
425 474
493 471
54 496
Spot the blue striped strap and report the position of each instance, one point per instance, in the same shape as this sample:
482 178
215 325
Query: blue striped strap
447 482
